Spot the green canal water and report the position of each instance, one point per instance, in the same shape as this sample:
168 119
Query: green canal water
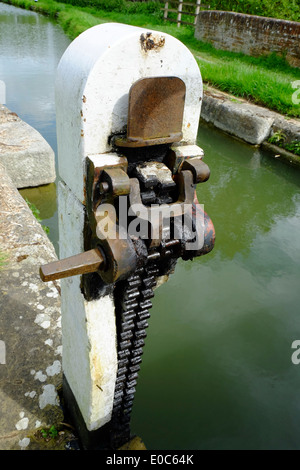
31 46
217 370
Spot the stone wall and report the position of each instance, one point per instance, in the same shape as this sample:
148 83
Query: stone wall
252 35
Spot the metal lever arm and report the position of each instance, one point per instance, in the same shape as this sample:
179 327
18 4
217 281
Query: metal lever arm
83 263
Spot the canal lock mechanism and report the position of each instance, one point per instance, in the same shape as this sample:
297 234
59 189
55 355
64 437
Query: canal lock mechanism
156 185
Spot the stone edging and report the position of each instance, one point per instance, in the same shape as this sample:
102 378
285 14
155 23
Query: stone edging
27 157
249 122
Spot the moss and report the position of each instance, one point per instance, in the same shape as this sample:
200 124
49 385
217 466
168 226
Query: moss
51 438
4 257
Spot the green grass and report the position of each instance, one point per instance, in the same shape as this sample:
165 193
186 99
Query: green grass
266 81
261 82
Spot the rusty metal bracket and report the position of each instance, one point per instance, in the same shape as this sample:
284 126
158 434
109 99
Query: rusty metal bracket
199 169
155 112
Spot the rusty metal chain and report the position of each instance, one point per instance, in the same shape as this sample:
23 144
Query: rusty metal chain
133 317
133 302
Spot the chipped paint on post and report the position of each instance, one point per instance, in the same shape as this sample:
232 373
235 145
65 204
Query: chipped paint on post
152 41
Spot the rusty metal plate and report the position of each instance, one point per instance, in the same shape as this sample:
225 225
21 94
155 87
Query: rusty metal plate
155 112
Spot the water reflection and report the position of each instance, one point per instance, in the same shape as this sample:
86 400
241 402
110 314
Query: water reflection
30 48
44 199
247 191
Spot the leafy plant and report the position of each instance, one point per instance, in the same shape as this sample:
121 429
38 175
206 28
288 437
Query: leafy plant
50 433
277 138
294 147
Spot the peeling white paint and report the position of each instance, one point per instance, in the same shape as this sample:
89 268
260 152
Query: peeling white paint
54 369
22 424
48 397
49 342
42 320
33 287
53 294
30 394
23 443
58 351
40 376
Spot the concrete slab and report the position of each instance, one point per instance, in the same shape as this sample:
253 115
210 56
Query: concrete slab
247 121
236 117
27 157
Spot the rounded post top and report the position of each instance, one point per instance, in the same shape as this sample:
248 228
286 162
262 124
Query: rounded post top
93 81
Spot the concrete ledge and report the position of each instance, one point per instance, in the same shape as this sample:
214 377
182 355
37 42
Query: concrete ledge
27 157
282 154
243 120
246 121
30 334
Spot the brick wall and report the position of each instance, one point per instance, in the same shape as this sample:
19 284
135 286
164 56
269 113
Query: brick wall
253 35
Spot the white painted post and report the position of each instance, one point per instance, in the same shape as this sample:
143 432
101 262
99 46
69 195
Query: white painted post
93 81
197 11
166 10
179 13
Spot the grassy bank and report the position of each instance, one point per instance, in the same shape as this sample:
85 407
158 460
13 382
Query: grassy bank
266 80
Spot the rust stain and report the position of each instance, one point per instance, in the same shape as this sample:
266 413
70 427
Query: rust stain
84 98
151 41
21 258
84 190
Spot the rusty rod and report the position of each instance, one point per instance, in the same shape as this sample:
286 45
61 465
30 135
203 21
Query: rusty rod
83 263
